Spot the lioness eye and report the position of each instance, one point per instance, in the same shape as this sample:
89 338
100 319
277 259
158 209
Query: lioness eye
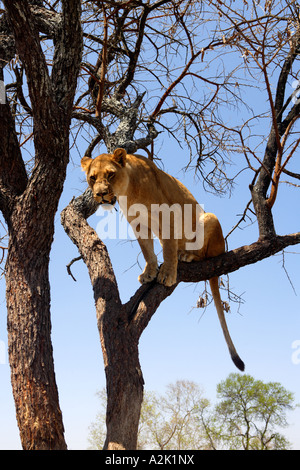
93 178
111 175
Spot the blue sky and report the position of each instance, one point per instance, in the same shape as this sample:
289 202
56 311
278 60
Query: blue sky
181 341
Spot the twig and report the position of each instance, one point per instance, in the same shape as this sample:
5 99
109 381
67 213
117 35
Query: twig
69 266
3 248
292 174
242 219
27 138
287 274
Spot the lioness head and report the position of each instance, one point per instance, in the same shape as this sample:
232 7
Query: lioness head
106 175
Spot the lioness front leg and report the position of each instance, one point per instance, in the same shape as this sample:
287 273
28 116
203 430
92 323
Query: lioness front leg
151 268
168 271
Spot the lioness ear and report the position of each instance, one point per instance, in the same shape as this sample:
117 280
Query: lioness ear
86 163
119 156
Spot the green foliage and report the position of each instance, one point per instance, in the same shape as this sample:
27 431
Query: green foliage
251 411
248 416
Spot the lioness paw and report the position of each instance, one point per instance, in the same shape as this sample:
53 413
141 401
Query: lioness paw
144 278
149 273
166 276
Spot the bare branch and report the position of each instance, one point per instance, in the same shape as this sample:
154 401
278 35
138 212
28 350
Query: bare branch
69 266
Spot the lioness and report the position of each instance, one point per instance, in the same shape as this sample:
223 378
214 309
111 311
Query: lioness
139 186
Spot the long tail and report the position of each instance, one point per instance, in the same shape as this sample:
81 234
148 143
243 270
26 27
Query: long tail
218 303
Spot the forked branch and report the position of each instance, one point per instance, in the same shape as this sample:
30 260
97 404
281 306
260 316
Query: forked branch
139 309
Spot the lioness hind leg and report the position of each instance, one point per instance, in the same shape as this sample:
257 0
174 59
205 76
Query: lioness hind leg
187 256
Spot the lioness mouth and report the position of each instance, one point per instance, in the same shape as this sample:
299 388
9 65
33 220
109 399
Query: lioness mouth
111 202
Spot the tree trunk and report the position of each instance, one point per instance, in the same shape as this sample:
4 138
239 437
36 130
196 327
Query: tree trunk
31 229
29 203
125 385
30 350
119 342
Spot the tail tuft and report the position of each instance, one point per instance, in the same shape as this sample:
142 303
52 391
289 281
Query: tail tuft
219 307
238 362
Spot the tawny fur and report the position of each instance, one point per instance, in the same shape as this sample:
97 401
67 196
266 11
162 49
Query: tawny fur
112 176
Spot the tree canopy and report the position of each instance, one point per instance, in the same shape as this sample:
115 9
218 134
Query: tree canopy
249 415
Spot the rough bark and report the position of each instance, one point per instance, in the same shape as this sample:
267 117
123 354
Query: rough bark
30 350
31 231
29 204
119 346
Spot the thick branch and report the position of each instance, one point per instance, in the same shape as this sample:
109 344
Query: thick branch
279 125
94 254
200 271
274 149
65 28
13 177
235 259
46 21
68 51
29 49
7 43
143 304
103 66
134 55
284 74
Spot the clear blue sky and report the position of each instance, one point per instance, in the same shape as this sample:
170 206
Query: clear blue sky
181 341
